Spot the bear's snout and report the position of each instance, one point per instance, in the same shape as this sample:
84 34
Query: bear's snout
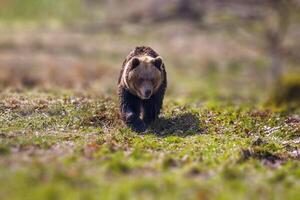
148 93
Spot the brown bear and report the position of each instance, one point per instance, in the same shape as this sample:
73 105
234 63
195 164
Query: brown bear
141 88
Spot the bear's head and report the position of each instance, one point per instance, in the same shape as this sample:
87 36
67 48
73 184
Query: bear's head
143 76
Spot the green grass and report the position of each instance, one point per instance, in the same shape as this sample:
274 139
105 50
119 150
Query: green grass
39 10
73 146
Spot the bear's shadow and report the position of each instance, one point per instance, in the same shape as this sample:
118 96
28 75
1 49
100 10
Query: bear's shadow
183 125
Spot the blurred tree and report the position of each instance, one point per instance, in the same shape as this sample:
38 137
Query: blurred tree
277 25
270 20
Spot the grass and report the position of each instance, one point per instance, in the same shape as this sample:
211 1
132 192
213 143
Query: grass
62 145
39 10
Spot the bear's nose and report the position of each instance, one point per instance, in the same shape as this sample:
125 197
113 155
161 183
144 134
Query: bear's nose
147 93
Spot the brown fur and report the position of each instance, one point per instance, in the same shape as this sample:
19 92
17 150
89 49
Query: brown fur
142 73
145 76
138 51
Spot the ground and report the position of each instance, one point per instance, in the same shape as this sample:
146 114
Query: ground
57 144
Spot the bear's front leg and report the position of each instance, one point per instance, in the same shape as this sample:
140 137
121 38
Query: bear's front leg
150 110
130 112
134 122
151 107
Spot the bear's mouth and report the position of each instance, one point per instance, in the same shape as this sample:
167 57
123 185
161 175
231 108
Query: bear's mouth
144 97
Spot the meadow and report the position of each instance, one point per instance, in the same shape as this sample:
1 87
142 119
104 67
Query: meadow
220 134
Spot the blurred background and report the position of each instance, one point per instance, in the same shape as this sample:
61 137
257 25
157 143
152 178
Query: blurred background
213 49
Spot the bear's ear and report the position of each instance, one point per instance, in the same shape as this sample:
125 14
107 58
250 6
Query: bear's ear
158 62
134 62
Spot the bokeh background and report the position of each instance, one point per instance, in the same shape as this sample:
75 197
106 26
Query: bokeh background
222 49
230 124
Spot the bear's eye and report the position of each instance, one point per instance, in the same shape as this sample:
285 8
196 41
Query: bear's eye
153 81
139 81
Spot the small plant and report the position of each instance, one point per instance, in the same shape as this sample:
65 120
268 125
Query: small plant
287 93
